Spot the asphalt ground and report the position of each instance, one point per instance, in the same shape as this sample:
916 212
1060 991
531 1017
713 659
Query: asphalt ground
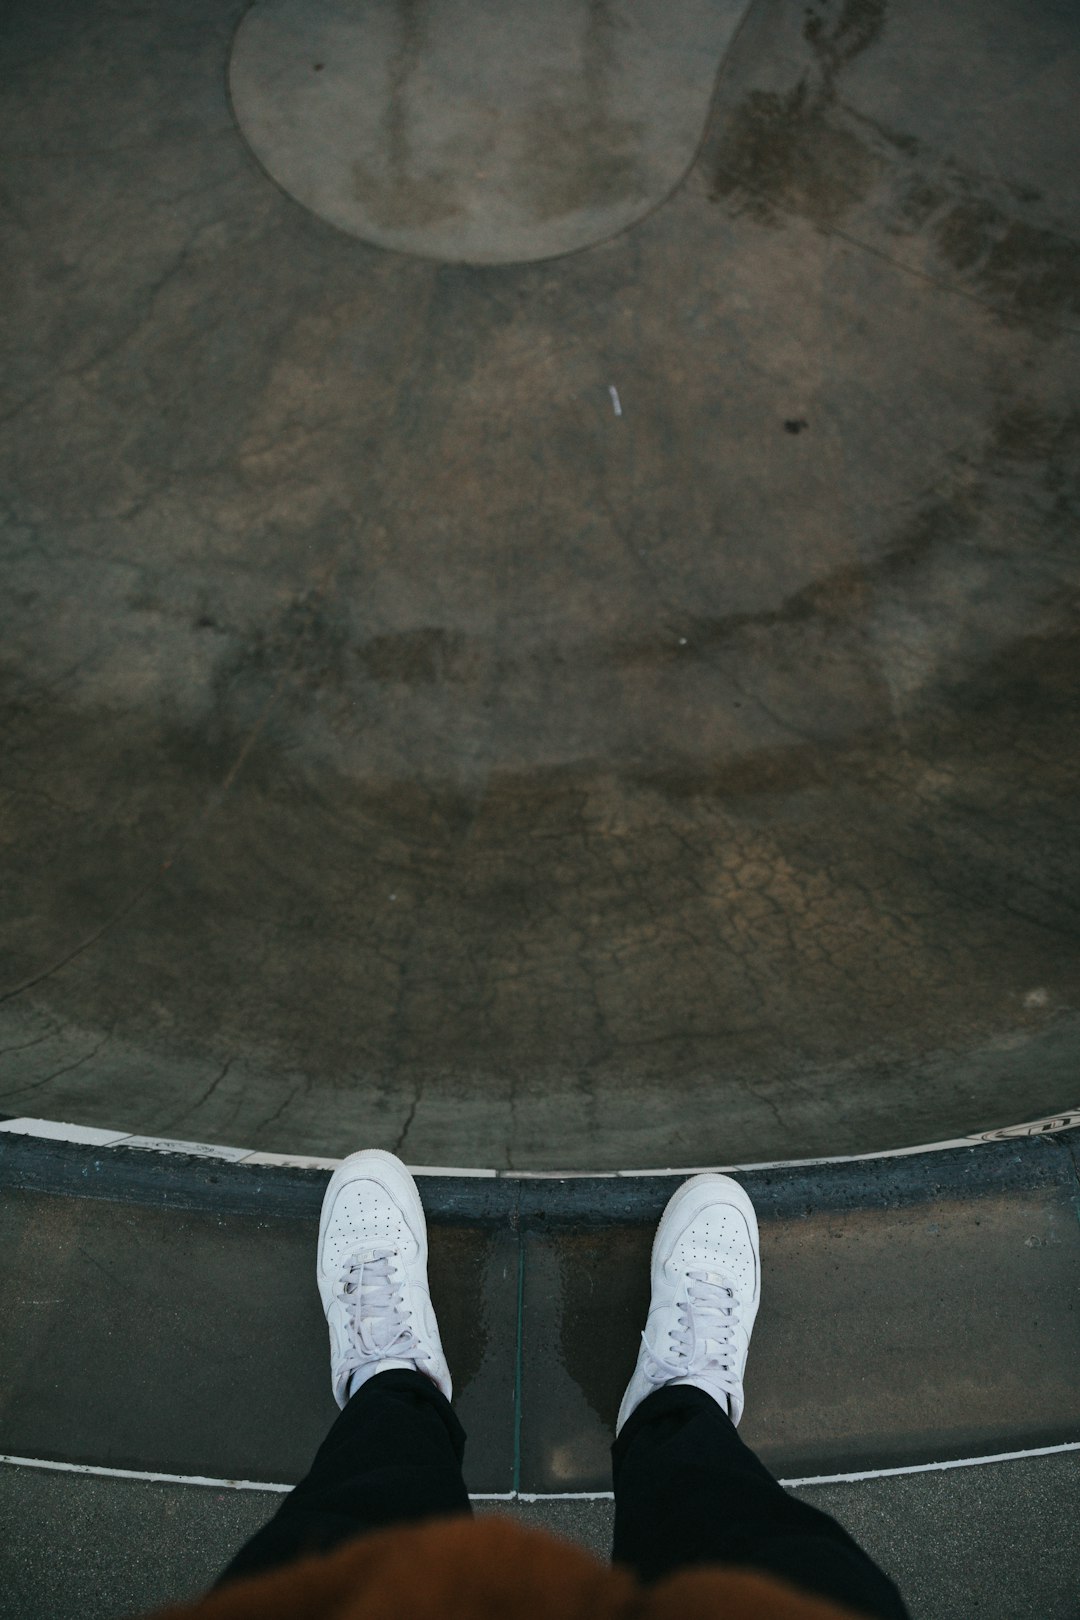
999 1542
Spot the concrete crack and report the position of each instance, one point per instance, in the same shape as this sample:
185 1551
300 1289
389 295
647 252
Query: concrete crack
4 1050
276 1115
35 1085
407 1127
209 1092
768 1102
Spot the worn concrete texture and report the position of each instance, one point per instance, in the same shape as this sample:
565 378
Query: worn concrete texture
399 746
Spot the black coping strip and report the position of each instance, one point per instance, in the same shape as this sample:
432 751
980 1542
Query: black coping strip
192 1182
1071 1142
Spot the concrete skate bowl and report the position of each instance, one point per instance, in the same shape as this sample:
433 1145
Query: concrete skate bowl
611 709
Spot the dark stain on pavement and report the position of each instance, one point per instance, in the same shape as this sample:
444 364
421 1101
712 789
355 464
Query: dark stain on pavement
808 151
1031 272
784 151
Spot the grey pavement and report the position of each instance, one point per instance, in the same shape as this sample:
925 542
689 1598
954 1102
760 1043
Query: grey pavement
407 740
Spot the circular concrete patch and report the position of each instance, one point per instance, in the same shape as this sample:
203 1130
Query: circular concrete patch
492 132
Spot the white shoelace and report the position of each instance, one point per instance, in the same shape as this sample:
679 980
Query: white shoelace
704 1342
372 1286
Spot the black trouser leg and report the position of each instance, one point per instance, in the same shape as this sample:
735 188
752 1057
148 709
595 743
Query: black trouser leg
688 1491
393 1457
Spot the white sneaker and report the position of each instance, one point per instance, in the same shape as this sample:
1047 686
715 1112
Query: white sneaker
706 1288
372 1275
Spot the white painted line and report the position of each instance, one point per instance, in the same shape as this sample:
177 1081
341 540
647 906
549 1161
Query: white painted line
199 1150
289 1161
147 1477
933 1468
54 1130
616 402
531 1496
566 1496
449 1170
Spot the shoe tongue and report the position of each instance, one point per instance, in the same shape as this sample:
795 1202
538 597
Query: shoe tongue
378 1300
715 1347
379 1330
715 1279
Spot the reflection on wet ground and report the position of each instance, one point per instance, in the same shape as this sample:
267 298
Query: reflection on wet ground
871 1321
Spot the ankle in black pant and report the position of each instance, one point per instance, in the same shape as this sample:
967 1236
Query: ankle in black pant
392 1457
687 1491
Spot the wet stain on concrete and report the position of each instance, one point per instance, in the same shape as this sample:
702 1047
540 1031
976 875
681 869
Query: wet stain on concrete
415 656
604 1299
795 157
460 1260
585 1299
837 34
1032 273
810 151
1024 433
785 151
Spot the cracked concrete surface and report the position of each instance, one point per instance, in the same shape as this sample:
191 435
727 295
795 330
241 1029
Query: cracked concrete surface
400 747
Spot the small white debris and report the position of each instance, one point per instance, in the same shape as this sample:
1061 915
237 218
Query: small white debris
615 400
682 641
393 897
1036 998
